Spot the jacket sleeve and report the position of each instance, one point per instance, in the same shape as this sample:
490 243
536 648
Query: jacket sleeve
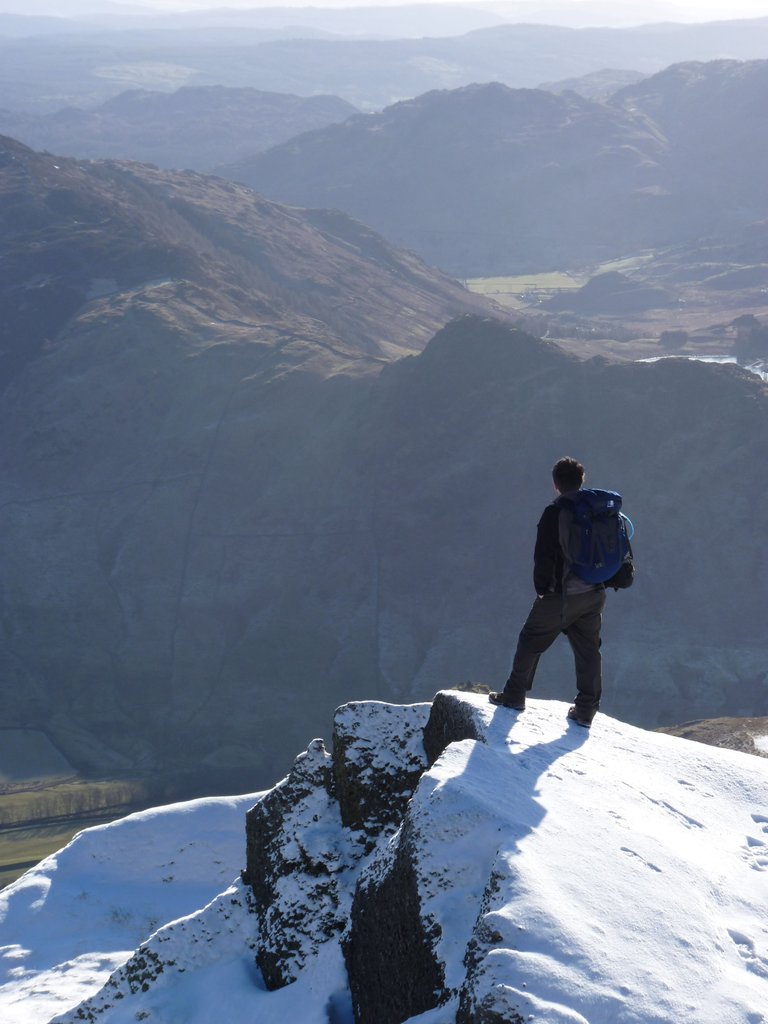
547 555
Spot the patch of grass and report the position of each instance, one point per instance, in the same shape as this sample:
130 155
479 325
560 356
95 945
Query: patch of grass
38 819
627 263
495 286
504 289
21 849
50 804
524 291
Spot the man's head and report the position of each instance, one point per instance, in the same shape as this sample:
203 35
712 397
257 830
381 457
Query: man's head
568 475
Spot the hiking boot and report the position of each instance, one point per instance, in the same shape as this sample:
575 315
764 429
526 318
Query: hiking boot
504 700
579 717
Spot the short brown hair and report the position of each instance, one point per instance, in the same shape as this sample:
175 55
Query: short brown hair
568 474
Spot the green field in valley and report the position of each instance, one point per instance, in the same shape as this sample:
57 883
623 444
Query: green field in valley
40 819
525 290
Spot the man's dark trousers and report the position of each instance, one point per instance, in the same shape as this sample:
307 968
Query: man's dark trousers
580 619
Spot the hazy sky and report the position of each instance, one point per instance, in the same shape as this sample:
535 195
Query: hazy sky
691 10
702 8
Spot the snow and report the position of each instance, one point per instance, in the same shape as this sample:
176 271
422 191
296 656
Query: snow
761 742
79 914
760 368
609 876
629 878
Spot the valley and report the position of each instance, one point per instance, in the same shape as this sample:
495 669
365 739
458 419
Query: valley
619 318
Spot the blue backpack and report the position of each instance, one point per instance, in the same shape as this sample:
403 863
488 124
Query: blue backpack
597 540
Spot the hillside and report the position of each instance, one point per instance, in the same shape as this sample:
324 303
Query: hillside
223 488
487 180
432 869
173 347
484 179
83 239
714 116
194 128
220 493
214 532
749 735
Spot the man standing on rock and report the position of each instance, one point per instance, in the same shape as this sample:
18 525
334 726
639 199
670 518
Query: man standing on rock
564 604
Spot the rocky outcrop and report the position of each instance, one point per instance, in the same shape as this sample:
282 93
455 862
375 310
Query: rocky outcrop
399 960
450 720
337 849
306 839
539 872
297 854
378 759
389 949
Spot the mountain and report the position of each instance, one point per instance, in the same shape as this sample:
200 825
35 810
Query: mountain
714 115
223 488
484 179
612 292
400 21
598 85
487 180
174 349
447 863
45 74
196 128
701 286
248 513
22 25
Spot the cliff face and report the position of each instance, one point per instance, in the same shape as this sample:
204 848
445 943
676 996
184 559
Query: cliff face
534 870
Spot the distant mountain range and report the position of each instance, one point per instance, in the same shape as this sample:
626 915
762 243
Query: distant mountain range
47 73
195 128
394 21
489 180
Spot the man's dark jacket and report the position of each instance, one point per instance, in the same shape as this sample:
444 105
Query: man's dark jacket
548 555
548 560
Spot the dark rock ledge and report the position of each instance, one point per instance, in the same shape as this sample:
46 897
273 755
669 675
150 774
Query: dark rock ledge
331 853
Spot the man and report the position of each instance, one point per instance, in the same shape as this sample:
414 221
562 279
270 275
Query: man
564 603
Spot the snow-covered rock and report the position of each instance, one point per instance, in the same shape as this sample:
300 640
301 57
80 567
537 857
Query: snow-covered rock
298 857
307 836
608 877
378 759
539 873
